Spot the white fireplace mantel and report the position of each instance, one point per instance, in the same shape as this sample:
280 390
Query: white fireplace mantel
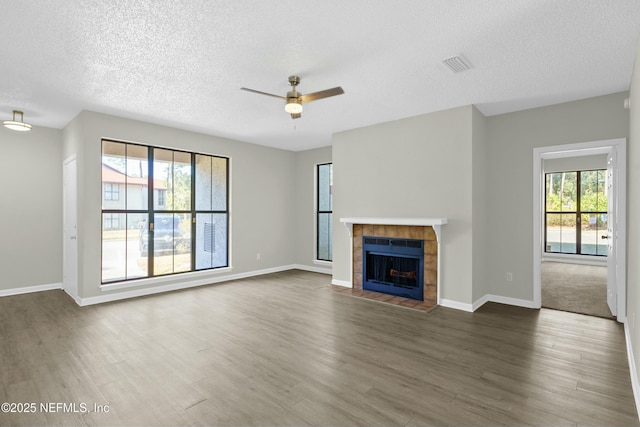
423 222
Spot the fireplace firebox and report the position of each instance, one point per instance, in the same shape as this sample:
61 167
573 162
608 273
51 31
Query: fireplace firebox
393 266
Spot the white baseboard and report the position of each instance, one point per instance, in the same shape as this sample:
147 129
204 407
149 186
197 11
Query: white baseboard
479 303
132 293
455 304
485 299
503 300
313 269
344 283
178 286
635 385
30 289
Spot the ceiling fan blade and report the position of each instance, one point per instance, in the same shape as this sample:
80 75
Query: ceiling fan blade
262 93
296 115
322 94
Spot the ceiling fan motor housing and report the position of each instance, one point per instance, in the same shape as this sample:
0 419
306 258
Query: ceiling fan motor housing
294 81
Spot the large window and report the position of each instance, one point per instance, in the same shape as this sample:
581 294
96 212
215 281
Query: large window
576 212
324 214
173 214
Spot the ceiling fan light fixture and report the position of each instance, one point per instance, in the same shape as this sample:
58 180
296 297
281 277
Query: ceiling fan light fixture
17 123
293 106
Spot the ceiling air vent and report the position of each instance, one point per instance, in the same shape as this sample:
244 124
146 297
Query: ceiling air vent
457 64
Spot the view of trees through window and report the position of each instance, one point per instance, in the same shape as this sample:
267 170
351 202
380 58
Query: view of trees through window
324 205
163 220
576 212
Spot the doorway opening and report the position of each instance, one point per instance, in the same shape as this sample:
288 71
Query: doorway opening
578 288
574 282
574 261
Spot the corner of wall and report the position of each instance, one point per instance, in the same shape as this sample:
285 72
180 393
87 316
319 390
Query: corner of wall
633 229
479 205
305 215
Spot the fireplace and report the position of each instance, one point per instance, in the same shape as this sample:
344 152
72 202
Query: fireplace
393 266
427 230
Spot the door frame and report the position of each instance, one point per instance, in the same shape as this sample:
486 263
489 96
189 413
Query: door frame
619 147
70 238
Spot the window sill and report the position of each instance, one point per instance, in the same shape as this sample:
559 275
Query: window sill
163 279
323 263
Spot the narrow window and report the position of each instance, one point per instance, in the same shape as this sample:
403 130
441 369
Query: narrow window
324 213
211 211
171 215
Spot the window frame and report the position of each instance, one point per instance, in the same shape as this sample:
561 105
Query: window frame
578 212
151 211
112 189
112 218
320 212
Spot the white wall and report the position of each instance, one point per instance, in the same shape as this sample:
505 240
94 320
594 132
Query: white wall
415 167
511 139
633 213
262 194
31 214
305 226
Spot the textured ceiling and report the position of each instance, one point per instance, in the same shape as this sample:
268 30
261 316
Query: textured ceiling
182 62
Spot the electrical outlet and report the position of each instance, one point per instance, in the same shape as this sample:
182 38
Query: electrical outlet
258 256
509 277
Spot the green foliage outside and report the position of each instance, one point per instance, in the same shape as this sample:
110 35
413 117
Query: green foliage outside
177 178
178 188
562 196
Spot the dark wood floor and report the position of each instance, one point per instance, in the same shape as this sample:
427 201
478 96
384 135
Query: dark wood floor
284 349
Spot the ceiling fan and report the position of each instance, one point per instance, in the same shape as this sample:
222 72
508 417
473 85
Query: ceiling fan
294 99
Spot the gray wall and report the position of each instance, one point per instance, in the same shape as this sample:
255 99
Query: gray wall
415 167
475 171
633 213
305 226
262 193
511 139
457 164
272 199
31 214
480 208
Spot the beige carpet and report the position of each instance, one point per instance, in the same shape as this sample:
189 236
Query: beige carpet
576 288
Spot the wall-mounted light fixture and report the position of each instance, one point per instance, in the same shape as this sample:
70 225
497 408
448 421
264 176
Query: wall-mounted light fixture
17 123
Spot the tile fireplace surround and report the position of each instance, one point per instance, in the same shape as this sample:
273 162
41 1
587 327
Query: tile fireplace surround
427 229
